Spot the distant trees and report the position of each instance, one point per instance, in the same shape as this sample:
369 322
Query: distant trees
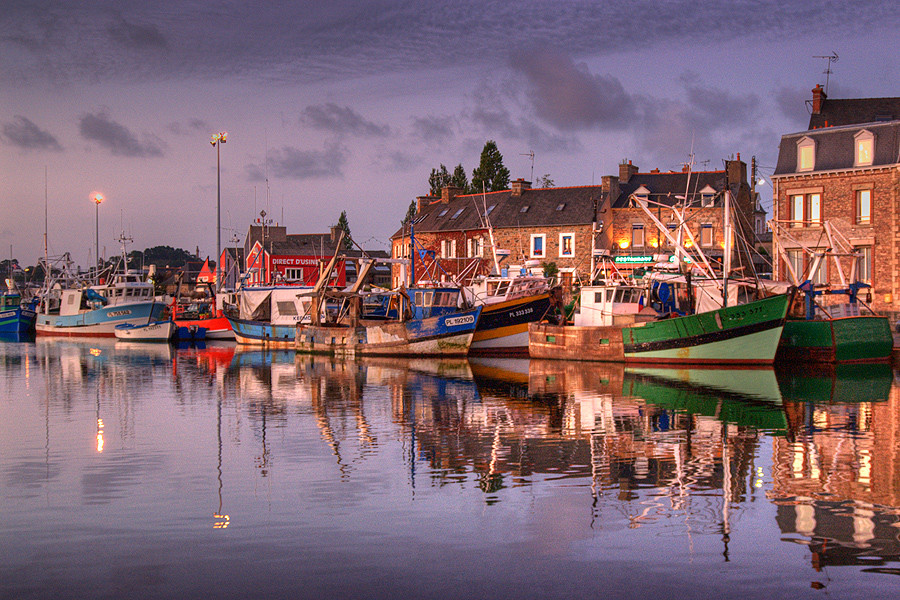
490 174
344 224
161 256
544 181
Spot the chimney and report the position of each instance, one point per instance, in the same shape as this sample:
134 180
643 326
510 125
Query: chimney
422 202
449 192
626 170
736 171
520 185
609 185
335 232
818 99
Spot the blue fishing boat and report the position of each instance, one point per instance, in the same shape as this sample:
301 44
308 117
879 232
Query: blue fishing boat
15 318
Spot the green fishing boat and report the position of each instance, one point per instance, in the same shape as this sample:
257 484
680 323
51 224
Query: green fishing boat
745 334
860 338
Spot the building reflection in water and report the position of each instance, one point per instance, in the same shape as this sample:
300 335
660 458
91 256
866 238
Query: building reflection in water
648 446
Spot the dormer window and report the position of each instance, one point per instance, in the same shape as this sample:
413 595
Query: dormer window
707 195
642 194
864 148
806 154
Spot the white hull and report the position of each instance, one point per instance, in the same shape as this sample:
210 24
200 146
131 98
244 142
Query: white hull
154 332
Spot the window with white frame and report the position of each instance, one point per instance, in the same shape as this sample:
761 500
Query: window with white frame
864 143
538 245
864 264
475 247
566 244
706 235
637 235
795 261
863 207
707 196
806 154
448 248
806 210
820 277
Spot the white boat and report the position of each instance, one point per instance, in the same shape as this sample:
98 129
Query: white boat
158 331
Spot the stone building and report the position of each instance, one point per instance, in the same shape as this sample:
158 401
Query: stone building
571 227
843 171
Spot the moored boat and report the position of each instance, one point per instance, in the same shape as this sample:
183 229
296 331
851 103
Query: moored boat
158 331
15 317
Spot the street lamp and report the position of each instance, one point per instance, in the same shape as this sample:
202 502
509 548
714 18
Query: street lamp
97 198
217 140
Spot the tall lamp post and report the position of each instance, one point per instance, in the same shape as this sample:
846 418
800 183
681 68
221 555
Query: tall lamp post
97 198
217 140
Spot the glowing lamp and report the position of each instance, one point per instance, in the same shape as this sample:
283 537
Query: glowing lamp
623 244
655 243
96 197
688 244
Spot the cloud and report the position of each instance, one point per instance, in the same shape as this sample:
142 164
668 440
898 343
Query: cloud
342 120
567 95
117 138
136 36
22 132
293 163
433 129
191 127
719 107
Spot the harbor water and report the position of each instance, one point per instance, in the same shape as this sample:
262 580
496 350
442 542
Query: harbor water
133 470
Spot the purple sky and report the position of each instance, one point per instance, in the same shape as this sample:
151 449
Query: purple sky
355 101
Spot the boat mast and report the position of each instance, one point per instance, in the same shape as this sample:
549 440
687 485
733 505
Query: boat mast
726 260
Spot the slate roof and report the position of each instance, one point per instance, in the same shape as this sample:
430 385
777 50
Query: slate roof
852 111
545 207
835 147
665 188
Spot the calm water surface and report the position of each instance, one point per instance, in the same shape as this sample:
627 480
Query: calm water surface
140 471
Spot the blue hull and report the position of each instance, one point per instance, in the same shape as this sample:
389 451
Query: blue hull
100 322
261 333
17 320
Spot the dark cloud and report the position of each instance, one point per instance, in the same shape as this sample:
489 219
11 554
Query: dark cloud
190 127
117 138
568 96
133 35
22 132
293 163
716 105
791 102
433 129
342 120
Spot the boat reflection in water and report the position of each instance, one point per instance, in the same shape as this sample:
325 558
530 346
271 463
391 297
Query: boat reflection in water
504 472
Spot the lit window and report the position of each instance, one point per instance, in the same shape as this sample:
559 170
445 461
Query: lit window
706 234
538 243
806 210
820 277
864 264
795 263
863 207
806 154
865 146
567 244
637 236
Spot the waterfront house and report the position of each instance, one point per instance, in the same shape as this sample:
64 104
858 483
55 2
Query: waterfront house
844 170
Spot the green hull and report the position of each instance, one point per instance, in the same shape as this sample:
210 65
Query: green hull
850 339
747 334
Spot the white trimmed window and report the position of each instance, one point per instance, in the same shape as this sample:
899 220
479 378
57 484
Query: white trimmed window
863 207
706 235
637 235
475 247
566 245
806 154
448 248
864 150
538 245
806 210
864 266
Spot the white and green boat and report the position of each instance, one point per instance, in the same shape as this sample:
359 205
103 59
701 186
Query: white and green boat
746 334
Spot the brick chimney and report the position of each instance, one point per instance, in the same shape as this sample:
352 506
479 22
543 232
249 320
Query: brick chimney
819 98
737 171
626 170
335 232
449 192
422 202
520 185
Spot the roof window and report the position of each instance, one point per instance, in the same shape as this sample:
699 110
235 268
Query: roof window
457 213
